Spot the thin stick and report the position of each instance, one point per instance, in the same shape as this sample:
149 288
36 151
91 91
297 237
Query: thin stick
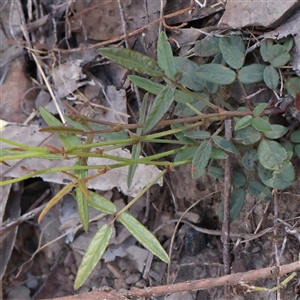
226 214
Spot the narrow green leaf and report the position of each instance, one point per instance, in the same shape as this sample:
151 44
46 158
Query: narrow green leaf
185 154
101 203
224 144
93 254
201 157
207 47
249 158
198 134
271 154
259 191
247 136
279 179
146 84
259 109
137 148
293 86
277 132
251 74
243 122
161 104
233 50
165 56
271 77
133 60
261 124
238 179
189 77
65 190
144 236
216 73
155 88
265 49
83 210
69 140
295 136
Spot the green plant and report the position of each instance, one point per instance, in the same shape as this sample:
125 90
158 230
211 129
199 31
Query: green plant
263 154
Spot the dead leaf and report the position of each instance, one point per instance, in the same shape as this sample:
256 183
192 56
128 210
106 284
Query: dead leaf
268 14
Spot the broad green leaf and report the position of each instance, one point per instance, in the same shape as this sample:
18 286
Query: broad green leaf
160 106
249 158
189 77
144 236
101 203
185 154
247 136
251 74
277 132
133 60
207 47
137 148
224 144
216 73
212 87
271 154
180 135
261 124
265 49
201 158
236 204
243 122
233 50
69 140
259 109
182 110
279 179
288 148
281 60
293 86
93 254
295 136
216 172
287 43
198 134
217 153
165 56
297 150
238 179
65 190
259 191
271 77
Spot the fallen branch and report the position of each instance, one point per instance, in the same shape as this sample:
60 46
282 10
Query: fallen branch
233 279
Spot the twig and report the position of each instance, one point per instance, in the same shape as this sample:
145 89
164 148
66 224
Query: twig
233 279
226 215
275 239
124 36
